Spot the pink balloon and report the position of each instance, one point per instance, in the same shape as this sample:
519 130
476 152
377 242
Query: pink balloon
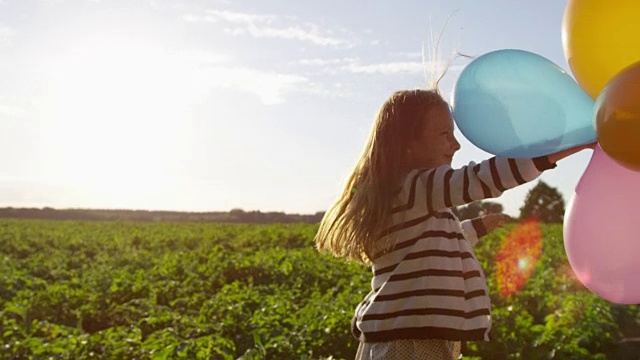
602 230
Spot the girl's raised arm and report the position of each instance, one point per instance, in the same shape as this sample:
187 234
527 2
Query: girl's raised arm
445 187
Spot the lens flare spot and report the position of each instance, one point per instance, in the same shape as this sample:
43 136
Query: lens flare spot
522 264
518 256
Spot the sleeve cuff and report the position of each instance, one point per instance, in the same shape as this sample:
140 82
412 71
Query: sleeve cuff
542 163
478 226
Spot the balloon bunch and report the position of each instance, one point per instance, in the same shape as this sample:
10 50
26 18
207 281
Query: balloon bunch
518 104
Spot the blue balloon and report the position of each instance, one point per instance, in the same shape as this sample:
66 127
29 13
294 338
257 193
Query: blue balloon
515 103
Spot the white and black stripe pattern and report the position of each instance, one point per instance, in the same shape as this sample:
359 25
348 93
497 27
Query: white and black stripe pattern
429 284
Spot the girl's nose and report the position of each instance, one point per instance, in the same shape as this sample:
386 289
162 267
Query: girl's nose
456 144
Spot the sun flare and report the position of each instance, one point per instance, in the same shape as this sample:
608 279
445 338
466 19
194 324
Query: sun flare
115 117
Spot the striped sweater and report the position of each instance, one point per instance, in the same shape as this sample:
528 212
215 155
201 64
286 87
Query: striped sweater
430 284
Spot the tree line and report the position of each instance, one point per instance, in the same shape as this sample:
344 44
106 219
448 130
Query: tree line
542 202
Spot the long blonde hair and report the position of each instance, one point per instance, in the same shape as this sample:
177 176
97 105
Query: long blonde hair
352 227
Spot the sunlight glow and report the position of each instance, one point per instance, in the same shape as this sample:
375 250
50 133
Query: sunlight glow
115 115
122 116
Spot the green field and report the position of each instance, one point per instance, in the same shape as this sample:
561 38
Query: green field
121 290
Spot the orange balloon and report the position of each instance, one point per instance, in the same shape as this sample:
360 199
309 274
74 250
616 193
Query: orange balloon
599 39
618 117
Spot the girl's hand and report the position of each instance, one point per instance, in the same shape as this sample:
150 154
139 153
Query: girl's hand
493 221
555 157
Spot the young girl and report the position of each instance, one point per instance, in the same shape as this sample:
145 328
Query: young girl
428 290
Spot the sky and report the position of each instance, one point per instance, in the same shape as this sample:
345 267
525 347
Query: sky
218 104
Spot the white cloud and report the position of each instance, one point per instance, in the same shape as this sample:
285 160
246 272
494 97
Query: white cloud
242 18
190 18
386 68
205 69
356 66
270 87
272 26
324 62
202 57
186 75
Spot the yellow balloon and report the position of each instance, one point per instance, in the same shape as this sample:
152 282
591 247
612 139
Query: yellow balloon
599 39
